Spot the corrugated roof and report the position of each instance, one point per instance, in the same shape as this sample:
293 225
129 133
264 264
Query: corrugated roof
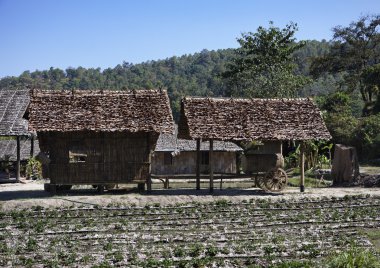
133 111
251 119
8 148
13 104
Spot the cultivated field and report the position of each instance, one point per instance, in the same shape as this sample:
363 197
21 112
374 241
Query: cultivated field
282 231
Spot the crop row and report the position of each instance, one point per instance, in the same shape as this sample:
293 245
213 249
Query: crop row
223 233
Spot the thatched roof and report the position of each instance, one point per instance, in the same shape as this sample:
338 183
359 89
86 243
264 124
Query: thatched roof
251 119
13 104
170 143
132 111
8 148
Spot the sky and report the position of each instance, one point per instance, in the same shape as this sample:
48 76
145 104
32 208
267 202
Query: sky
39 34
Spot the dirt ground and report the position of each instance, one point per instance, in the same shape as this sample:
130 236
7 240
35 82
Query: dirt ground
31 193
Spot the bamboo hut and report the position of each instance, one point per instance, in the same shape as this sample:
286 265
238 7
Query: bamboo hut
267 120
173 156
99 138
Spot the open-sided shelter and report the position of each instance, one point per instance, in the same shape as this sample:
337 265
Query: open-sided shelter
250 119
99 137
8 149
13 104
173 156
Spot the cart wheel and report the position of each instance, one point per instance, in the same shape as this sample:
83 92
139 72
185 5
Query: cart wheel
260 182
276 180
110 186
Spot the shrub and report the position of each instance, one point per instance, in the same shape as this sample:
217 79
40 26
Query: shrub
33 169
368 136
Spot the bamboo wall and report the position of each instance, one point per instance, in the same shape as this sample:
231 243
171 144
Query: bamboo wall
112 157
185 163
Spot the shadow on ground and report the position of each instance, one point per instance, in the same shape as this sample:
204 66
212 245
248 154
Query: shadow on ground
216 192
33 194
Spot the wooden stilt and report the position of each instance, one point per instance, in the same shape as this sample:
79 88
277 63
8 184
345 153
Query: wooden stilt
211 165
198 165
302 168
18 159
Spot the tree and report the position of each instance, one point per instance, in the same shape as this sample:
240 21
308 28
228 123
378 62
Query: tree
264 65
338 117
354 49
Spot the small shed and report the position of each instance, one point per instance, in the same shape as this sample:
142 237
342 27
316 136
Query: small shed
173 156
13 104
267 120
99 137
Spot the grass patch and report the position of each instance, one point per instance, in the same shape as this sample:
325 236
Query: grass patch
309 182
352 258
374 236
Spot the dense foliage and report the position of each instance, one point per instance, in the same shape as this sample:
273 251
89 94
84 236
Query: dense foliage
354 50
263 65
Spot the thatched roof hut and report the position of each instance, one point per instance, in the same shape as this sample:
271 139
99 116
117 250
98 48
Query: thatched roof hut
99 137
251 119
13 104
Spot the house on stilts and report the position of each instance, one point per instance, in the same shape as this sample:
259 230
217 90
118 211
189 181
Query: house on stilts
99 137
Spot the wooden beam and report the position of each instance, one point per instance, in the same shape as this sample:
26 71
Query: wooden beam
302 168
18 159
198 165
211 165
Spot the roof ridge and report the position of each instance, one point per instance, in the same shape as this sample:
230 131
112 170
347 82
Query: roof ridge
246 99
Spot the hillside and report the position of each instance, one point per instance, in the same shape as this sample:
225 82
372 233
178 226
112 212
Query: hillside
196 74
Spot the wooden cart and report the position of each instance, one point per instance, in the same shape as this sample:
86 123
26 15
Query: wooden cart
266 166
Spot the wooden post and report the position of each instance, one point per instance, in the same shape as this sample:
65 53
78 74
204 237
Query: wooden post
18 159
32 146
302 167
149 179
198 165
211 165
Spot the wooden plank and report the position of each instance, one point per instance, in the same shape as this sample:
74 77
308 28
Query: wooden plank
211 165
302 168
18 159
198 165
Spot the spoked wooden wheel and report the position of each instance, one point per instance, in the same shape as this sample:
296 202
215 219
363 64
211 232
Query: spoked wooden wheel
260 182
276 180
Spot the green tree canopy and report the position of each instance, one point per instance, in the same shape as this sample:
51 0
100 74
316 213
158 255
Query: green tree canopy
354 49
264 64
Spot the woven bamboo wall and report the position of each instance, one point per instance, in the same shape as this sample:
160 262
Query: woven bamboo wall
111 157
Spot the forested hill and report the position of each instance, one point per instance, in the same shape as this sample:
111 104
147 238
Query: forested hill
197 74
